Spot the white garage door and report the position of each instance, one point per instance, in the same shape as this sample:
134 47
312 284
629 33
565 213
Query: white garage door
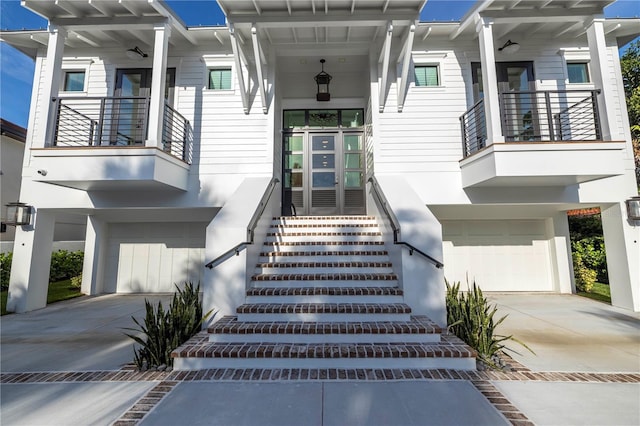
152 257
501 255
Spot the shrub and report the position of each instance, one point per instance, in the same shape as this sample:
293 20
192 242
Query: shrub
585 277
163 331
471 318
65 264
76 282
592 254
5 269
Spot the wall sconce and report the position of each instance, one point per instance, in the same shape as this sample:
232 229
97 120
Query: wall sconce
18 214
322 80
633 208
136 54
509 47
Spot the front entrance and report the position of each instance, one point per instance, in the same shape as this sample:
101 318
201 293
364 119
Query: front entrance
323 173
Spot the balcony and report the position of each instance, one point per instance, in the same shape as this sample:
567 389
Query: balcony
99 144
552 138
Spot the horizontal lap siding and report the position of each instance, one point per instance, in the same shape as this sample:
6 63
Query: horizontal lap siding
230 141
425 136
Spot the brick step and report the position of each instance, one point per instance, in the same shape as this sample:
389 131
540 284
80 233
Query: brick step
323 245
198 354
323 236
351 227
329 276
418 329
348 312
327 291
322 219
324 267
325 256
324 295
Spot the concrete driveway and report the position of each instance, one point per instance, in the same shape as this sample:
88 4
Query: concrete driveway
71 357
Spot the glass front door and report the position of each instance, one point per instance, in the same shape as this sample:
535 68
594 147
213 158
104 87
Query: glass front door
323 173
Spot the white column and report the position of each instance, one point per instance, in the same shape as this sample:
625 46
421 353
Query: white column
29 281
95 249
603 80
622 242
560 245
158 81
489 81
51 85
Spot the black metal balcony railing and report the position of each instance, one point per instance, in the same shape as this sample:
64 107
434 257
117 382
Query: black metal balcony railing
115 122
474 128
534 116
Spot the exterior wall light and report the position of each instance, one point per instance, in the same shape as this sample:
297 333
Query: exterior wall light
136 54
509 47
18 214
633 208
322 80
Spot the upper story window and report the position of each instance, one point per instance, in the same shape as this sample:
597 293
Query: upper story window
427 75
74 81
578 72
219 79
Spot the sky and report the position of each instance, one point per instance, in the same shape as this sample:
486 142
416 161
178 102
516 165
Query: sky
16 69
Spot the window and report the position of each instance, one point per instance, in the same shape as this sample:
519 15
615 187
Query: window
74 81
426 75
578 72
219 79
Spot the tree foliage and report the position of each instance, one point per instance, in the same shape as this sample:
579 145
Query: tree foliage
630 64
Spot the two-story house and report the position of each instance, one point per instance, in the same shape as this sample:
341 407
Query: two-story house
384 147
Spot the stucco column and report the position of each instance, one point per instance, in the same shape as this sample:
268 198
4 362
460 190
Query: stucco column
622 242
95 249
484 29
560 245
50 86
603 80
31 262
158 82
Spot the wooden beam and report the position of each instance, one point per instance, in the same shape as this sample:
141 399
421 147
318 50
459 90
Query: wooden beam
406 62
129 7
259 57
86 38
257 7
384 58
239 69
100 8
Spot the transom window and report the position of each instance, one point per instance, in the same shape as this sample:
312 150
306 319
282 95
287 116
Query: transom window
74 81
323 118
578 72
426 75
219 79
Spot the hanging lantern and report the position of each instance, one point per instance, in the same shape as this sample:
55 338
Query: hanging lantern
322 80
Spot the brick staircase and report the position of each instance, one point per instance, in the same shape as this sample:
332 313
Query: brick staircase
324 295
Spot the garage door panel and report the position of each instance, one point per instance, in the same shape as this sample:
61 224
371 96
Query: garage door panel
500 256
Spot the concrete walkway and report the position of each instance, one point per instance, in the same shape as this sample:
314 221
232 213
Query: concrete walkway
568 334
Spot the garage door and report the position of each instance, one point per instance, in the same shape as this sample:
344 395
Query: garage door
151 257
501 255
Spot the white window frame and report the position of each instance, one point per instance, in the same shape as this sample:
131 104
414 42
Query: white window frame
213 62
75 65
428 59
576 56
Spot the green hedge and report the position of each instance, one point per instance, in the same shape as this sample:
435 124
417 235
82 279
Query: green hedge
64 265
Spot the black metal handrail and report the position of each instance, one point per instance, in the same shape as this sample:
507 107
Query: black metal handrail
176 134
474 129
115 121
395 225
253 223
536 116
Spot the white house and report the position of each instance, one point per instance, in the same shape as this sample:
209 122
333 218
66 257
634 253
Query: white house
465 143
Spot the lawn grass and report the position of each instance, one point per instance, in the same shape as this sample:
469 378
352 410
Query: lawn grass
58 291
599 292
